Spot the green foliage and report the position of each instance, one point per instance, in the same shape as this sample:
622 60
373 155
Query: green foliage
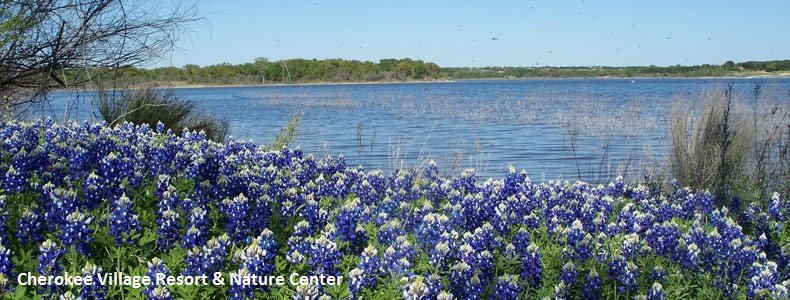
287 134
262 71
151 106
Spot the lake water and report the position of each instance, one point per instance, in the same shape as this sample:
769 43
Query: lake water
588 129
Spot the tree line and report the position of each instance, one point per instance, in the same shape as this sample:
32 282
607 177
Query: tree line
729 68
263 71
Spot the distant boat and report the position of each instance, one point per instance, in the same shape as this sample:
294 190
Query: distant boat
632 81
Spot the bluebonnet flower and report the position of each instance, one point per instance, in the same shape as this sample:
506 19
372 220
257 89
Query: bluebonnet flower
297 243
113 169
577 241
76 232
155 291
507 287
14 180
396 258
466 182
58 204
237 212
663 237
316 215
430 229
324 256
617 188
531 266
591 289
440 254
562 291
168 229
307 292
366 273
465 281
389 231
521 240
6 265
656 292
416 289
569 274
762 278
96 290
197 224
431 171
625 272
484 238
238 290
347 221
3 218
258 257
357 282
123 220
49 254
208 258
92 191
29 227
445 295
776 210
658 274
434 284
631 245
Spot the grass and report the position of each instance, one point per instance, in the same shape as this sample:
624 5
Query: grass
732 146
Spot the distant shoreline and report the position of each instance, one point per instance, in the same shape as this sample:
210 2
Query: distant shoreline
181 85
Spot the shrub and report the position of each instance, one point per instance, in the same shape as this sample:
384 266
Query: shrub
151 106
722 144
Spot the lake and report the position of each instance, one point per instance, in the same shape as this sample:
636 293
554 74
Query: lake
588 129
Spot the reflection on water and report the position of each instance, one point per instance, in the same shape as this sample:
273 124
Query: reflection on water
589 129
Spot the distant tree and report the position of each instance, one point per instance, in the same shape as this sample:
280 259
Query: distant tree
46 44
260 69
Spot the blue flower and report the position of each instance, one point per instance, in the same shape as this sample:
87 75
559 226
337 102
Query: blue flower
656 292
658 274
366 273
324 256
465 281
397 258
76 232
30 229
569 274
507 287
95 290
531 266
197 224
416 289
49 254
6 265
155 291
591 289
123 221
238 290
762 278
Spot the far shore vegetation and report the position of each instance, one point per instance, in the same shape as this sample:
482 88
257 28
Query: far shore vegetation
304 71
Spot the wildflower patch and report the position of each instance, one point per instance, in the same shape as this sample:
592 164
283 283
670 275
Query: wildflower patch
88 211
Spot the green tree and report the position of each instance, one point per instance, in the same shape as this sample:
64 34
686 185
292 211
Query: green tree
729 65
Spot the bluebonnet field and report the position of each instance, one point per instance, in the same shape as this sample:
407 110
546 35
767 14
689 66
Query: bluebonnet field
85 199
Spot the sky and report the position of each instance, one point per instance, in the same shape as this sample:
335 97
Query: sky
490 33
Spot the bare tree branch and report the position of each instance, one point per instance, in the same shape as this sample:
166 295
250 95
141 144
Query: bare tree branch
48 44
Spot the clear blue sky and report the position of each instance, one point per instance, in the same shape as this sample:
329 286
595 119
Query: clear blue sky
491 33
